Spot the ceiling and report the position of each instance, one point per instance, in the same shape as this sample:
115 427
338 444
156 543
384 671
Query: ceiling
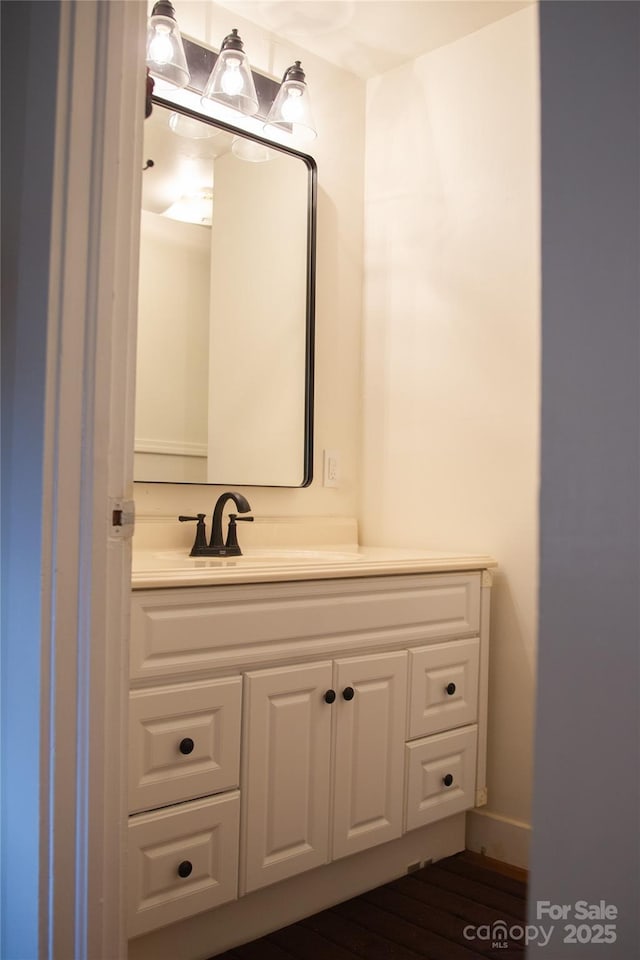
366 37
370 37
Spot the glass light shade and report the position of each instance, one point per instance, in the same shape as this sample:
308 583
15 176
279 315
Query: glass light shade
231 82
291 109
250 150
190 128
165 52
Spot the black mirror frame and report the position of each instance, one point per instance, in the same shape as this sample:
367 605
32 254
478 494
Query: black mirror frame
311 269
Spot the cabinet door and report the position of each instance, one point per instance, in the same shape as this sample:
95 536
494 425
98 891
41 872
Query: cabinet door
184 742
285 773
369 755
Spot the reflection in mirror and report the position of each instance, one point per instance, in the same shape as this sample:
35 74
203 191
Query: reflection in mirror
225 319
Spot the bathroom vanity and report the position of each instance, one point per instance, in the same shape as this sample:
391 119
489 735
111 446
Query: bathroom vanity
304 725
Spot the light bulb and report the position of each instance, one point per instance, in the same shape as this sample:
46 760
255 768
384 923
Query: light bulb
161 48
292 107
231 80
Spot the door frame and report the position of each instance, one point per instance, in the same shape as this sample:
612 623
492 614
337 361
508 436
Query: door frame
67 893
91 342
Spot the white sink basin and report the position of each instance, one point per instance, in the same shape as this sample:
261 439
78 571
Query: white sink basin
175 560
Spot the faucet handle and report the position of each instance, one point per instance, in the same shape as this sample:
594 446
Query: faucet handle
232 537
200 541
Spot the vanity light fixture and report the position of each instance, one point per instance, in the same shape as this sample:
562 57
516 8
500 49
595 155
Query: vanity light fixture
291 109
231 81
230 91
166 59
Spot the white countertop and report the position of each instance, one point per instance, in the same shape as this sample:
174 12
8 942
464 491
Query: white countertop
173 568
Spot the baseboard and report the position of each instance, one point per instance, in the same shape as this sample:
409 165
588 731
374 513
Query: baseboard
498 837
496 866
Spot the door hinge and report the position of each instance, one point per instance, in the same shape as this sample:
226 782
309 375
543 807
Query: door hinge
123 519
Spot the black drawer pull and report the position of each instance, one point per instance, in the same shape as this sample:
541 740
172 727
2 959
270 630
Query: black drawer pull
186 745
185 868
448 780
329 696
451 689
348 693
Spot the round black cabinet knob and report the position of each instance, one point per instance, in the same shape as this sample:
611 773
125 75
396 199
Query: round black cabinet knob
451 689
186 745
348 693
185 868
448 780
330 696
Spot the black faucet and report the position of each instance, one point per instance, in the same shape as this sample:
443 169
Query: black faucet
216 544
217 547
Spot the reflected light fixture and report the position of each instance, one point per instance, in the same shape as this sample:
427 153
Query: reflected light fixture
190 128
231 82
196 207
291 109
165 51
249 150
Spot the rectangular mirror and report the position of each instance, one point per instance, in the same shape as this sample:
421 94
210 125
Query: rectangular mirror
224 390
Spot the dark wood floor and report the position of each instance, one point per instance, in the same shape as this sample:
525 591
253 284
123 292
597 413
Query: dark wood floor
422 915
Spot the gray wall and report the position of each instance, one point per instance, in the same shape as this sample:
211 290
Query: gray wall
29 67
586 800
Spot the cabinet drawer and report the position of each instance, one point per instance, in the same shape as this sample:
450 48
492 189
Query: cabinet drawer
178 631
440 776
443 686
182 860
184 742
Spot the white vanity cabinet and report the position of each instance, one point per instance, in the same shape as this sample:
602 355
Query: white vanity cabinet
321 733
324 744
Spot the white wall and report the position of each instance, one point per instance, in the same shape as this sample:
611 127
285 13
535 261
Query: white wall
338 106
172 379
451 353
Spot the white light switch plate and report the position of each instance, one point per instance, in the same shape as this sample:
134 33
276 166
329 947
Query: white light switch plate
331 471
